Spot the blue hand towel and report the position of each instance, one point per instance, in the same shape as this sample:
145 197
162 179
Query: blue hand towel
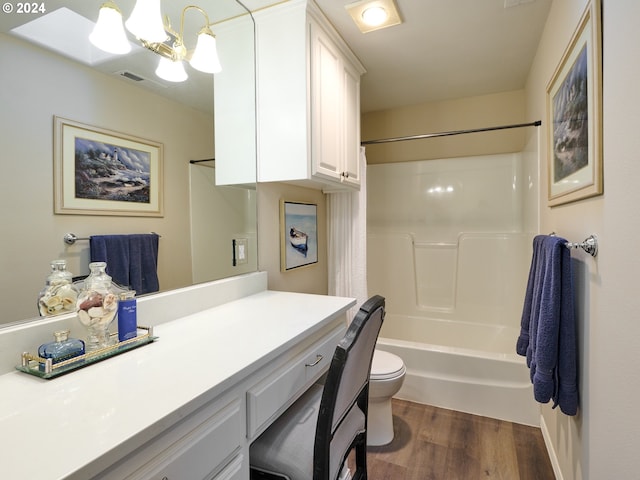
548 330
114 250
132 260
143 263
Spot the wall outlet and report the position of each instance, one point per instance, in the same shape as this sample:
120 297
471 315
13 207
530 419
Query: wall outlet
240 251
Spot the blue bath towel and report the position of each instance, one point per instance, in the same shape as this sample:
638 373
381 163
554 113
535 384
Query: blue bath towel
548 328
132 260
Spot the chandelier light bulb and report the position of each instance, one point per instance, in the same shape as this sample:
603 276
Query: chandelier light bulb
171 71
145 21
109 34
205 57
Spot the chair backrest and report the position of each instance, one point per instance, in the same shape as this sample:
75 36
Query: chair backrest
347 383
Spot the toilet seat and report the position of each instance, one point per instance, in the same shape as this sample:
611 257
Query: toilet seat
386 365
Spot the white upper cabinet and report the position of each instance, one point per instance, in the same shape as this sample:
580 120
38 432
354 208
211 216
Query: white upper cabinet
235 103
308 99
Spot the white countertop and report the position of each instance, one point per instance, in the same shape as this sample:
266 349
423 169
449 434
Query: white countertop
50 429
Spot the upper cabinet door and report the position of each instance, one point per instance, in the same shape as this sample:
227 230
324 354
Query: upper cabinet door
326 106
351 124
235 103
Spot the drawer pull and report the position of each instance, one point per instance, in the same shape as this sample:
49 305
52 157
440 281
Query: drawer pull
318 360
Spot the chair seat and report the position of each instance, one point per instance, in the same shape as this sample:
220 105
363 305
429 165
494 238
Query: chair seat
286 448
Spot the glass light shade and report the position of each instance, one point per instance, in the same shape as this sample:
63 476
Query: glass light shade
145 21
205 57
374 16
109 34
171 71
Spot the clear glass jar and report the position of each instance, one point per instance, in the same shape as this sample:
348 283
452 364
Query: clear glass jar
59 294
97 306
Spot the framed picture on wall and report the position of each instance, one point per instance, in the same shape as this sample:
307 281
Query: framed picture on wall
574 115
298 235
103 172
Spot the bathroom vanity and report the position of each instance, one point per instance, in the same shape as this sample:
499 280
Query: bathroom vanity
186 406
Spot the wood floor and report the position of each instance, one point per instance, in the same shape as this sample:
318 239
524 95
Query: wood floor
437 444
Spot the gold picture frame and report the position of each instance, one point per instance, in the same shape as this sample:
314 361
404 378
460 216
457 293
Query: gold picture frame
298 235
104 172
574 115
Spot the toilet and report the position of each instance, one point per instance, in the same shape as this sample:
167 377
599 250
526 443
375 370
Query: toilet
387 374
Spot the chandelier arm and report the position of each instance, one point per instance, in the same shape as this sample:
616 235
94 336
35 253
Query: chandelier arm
184 10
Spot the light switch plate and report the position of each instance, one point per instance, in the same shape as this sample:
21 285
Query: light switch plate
240 251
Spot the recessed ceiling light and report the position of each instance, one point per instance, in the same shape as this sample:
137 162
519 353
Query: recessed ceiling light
370 15
374 16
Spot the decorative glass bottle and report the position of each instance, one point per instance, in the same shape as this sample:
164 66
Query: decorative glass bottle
62 349
97 306
59 294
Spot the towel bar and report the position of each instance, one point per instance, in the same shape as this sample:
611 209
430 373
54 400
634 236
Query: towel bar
589 244
71 238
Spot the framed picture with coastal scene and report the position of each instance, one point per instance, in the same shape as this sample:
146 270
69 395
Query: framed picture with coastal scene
574 115
103 172
298 235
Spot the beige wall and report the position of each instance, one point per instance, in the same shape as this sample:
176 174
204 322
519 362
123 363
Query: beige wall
308 279
36 85
460 114
602 441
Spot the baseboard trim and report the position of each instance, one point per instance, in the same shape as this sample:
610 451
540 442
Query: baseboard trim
550 450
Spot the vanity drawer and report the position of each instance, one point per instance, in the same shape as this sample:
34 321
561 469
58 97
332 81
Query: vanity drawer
237 469
196 448
318 361
276 392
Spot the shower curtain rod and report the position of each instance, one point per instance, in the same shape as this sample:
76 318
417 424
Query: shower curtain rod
198 162
537 123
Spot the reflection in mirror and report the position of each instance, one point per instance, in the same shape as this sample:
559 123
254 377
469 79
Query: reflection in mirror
122 94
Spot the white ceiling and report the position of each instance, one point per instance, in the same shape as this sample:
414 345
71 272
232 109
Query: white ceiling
444 48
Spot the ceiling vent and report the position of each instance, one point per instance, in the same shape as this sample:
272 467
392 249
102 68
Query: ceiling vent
134 77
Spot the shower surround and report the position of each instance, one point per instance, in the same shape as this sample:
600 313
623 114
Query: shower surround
449 246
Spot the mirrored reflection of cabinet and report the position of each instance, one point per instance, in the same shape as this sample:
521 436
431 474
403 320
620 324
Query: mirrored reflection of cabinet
235 103
308 97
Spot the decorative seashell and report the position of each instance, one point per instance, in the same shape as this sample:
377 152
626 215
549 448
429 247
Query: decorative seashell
96 312
110 302
53 302
54 308
84 318
68 303
95 300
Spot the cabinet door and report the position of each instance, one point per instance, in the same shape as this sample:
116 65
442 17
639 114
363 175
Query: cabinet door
235 104
326 106
351 122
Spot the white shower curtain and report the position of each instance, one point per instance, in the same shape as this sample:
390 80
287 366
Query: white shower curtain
347 241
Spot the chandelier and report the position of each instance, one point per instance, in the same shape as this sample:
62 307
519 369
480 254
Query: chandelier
145 22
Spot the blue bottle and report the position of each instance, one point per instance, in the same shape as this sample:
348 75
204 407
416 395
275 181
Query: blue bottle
127 316
63 348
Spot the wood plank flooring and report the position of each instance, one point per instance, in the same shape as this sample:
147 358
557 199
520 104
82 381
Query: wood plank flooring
437 444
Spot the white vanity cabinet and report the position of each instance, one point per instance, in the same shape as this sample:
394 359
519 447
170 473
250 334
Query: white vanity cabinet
212 443
206 445
185 407
308 100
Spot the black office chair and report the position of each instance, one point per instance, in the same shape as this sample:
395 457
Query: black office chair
314 437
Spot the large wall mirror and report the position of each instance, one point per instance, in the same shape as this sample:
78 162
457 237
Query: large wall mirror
123 94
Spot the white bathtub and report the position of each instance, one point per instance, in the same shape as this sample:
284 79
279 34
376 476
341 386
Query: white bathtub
469 367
